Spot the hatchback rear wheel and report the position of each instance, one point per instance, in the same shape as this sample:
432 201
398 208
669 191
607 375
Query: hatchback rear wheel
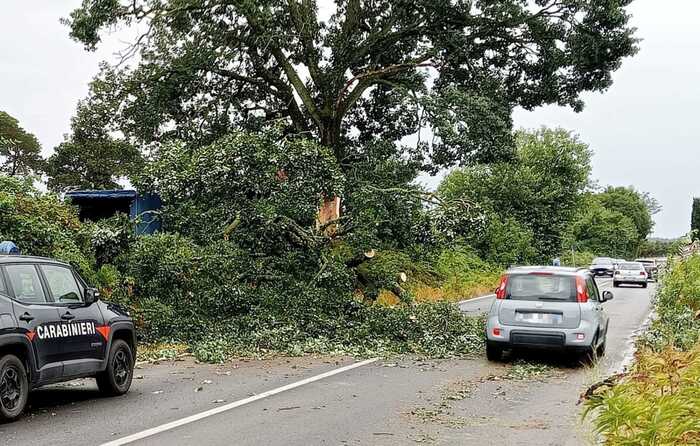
601 348
494 352
590 355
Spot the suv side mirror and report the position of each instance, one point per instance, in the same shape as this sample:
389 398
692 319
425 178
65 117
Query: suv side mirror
607 295
92 295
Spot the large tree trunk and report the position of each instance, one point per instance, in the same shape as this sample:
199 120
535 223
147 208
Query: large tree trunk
330 136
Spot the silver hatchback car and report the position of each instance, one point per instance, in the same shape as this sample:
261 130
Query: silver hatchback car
630 272
547 307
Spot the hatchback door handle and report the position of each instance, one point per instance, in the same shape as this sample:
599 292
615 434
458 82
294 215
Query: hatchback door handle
26 317
67 316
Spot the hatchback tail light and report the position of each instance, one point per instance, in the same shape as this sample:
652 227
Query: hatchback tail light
642 273
501 290
581 290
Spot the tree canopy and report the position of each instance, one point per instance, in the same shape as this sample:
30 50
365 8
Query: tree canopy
20 151
90 158
614 222
256 189
380 69
603 231
540 190
637 206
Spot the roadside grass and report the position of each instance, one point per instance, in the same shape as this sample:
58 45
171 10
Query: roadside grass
656 403
462 276
453 278
458 288
161 351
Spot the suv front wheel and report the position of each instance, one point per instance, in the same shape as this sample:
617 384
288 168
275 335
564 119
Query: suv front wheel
116 379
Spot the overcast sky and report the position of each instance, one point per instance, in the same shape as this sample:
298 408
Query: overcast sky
643 130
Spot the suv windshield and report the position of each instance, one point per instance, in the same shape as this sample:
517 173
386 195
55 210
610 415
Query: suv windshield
602 261
541 287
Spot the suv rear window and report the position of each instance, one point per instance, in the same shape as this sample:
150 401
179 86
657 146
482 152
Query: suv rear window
25 283
541 287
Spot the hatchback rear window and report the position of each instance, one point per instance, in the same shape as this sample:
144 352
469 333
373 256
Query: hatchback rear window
541 287
631 266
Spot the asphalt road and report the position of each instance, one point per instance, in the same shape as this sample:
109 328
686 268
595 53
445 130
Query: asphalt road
314 401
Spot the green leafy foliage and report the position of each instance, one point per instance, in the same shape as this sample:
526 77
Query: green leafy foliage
637 206
216 299
614 222
20 151
258 189
202 70
577 258
40 224
535 197
90 164
677 306
658 247
657 402
111 238
603 231
461 270
380 206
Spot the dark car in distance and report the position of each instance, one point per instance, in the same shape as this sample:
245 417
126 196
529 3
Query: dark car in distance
602 266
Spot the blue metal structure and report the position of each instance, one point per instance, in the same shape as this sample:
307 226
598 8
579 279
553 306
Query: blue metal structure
98 204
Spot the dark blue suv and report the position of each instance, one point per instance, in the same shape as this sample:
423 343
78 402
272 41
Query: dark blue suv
54 328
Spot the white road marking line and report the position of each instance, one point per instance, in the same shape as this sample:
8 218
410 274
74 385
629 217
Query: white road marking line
476 299
208 413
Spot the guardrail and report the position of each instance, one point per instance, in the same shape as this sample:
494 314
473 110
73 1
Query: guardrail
689 249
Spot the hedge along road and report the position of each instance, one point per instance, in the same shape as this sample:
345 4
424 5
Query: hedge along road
384 402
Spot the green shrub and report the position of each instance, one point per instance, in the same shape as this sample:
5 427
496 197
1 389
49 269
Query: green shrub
577 258
656 403
464 274
430 329
508 242
677 322
111 238
222 302
40 224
